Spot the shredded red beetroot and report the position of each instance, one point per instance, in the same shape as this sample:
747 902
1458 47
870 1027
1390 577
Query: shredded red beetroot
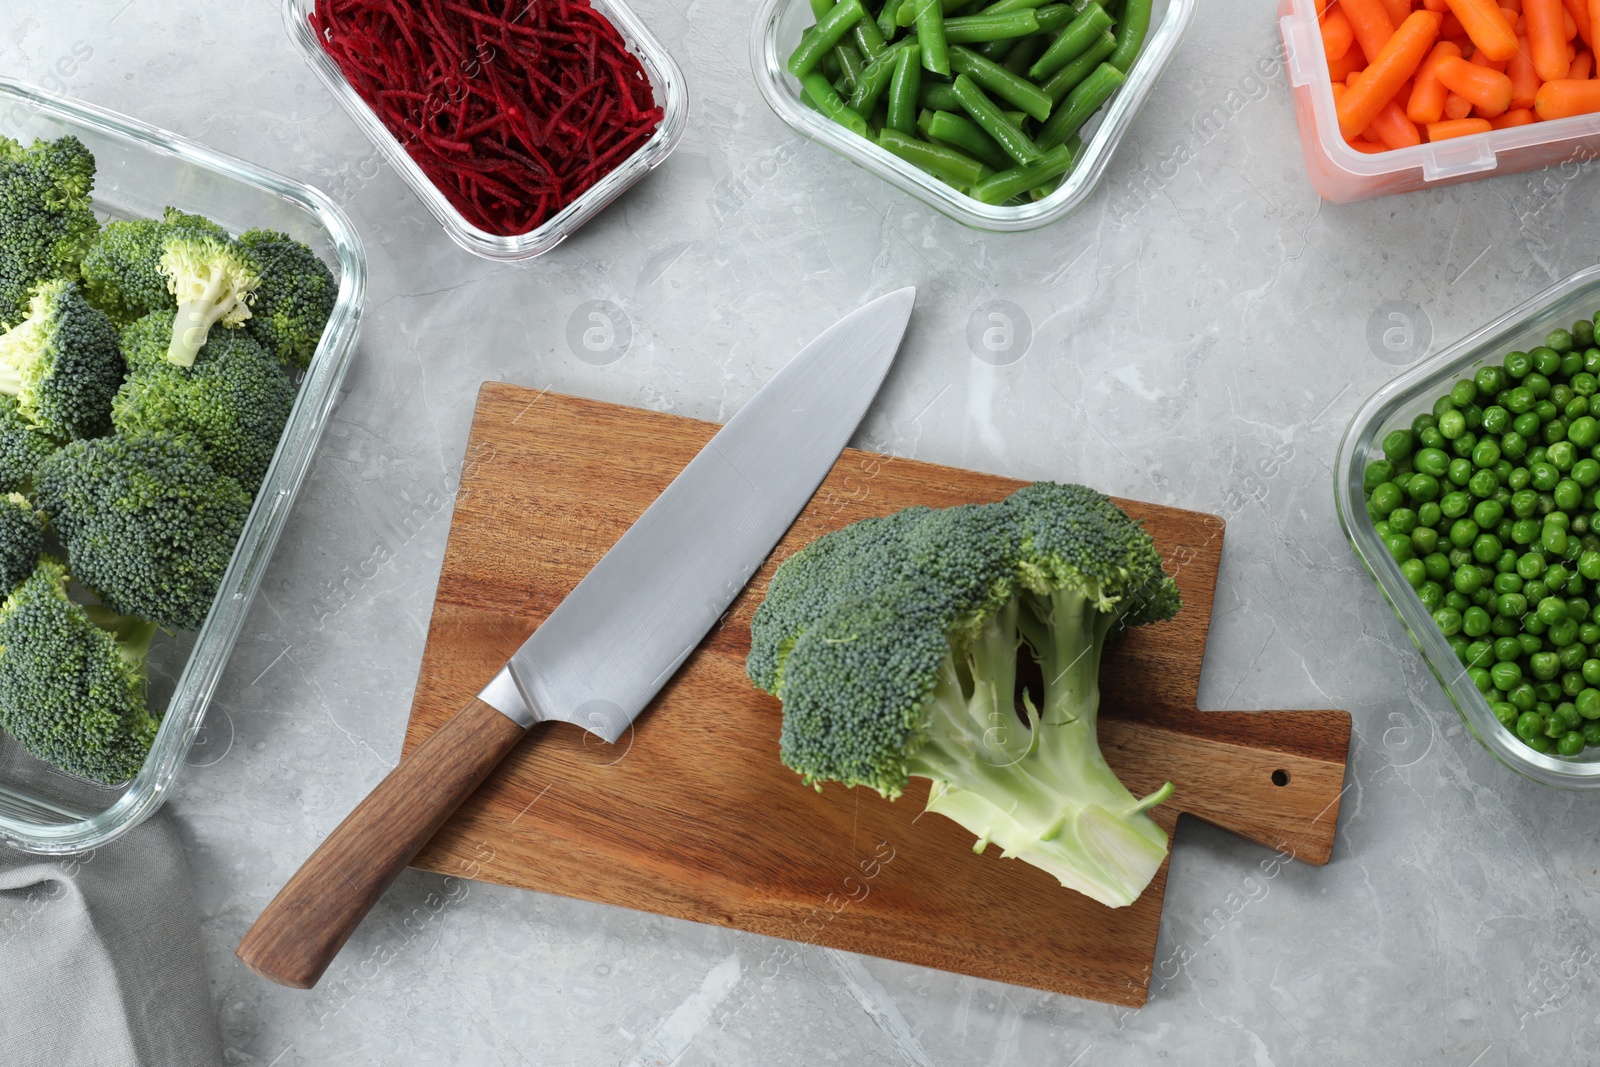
511 107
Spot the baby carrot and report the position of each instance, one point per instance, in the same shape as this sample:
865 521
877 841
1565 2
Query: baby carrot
1443 131
1578 11
1426 103
1488 90
1547 37
1438 7
1353 60
1581 66
1397 9
1370 22
1393 128
1336 34
1486 26
1518 117
1563 98
1390 68
1368 147
1457 106
1525 80
1594 13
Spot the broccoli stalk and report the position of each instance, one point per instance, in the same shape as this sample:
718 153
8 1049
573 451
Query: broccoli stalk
895 645
214 281
1041 790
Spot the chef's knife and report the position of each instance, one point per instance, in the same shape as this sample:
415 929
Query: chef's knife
613 642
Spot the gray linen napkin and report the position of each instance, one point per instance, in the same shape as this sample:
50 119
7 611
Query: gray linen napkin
100 960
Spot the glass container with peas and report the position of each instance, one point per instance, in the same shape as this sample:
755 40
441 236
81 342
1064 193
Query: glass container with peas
1470 486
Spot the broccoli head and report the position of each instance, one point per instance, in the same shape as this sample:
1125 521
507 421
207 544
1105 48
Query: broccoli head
72 680
214 281
22 448
230 406
894 646
46 223
147 523
295 299
21 539
62 364
122 270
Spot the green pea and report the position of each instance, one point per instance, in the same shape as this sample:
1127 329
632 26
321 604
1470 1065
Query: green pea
1454 505
1424 540
1530 565
1508 581
1546 360
1448 620
1570 744
1459 472
1438 566
1544 665
1526 424
1518 401
1475 622
1487 513
1548 693
1572 657
1562 455
1431 461
1431 593
1517 364
1584 383
1506 675
1452 424
1589 635
1591 733
1484 484
1485 549
1576 408
1552 610
1562 633
1414 573
1521 696
1577 608
1530 724
1489 380
1535 591
1399 547
1538 384
1558 340
1506 565
1517 477
1553 538
1539 743
1582 333
1571 681
1462 532
1511 605
1430 437
1555 576
1387 497
1422 487
1456 600
1507 650
1428 514
1545 475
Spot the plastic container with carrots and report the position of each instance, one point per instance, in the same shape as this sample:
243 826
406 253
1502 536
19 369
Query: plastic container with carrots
1396 95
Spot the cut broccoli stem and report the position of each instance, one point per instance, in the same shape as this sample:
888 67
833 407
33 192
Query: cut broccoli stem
1041 790
196 316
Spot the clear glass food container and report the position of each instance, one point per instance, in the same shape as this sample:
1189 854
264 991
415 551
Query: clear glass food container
1393 407
778 26
667 81
1341 174
142 170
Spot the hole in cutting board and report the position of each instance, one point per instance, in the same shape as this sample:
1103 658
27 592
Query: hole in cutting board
1280 777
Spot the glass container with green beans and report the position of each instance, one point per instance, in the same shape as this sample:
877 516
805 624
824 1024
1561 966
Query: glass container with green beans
1002 113
1471 488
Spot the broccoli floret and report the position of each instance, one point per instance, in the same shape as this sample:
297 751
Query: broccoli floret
46 223
122 270
21 539
214 280
231 405
62 364
147 523
22 448
295 299
72 680
894 646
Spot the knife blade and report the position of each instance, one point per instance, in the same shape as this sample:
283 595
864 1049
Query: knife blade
612 643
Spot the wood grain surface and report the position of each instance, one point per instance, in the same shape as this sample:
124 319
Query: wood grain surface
692 815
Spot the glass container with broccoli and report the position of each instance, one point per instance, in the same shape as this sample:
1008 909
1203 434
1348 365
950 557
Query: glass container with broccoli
147 370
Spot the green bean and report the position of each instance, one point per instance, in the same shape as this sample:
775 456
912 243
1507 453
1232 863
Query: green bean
1001 82
1039 192
962 133
1001 7
1053 17
887 20
1022 53
822 94
994 51
930 32
820 8
1072 42
1133 24
868 39
977 29
1067 78
850 64
874 83
1006 184
903 90
825 34
939 97
1082 102
1018 145
957 168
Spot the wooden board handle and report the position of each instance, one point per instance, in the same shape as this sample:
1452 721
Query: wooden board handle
1272 777
312 916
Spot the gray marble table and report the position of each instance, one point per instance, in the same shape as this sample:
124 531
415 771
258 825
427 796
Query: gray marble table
1208 336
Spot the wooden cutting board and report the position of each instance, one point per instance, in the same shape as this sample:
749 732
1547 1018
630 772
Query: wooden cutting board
692 815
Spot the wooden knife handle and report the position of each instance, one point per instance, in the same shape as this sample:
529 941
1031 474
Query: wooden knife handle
1272 777
312 916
